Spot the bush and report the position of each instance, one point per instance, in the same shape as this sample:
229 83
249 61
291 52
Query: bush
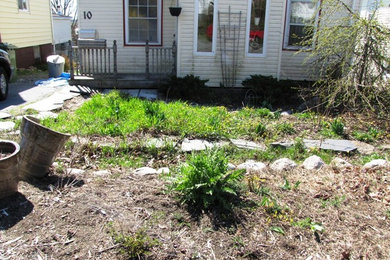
270 90
205 182
186 88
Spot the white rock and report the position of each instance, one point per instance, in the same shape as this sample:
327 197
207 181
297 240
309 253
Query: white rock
248 145
7 126
4 115
145 171
286 113
364 148
252 166
283 164
313 162
379 163
75 171
46 114
195 145
102 173
340 163
164 170
231 166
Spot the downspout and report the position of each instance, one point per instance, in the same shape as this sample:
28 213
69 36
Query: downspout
52 29
281 40
178 45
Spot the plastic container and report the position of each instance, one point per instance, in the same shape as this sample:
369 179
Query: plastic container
55 65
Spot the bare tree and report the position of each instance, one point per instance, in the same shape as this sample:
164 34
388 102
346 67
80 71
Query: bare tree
64 7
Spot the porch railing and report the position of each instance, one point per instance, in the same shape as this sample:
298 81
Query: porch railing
160 61
93 60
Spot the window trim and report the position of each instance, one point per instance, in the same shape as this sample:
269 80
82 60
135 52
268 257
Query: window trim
248 25
126 26
287 26
215 24
27 6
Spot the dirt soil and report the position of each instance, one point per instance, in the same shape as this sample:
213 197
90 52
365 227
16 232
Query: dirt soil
70 216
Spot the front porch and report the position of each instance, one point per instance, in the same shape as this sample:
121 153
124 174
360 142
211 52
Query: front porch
95 65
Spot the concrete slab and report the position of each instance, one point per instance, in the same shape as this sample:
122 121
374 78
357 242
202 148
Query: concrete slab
244 144
331 144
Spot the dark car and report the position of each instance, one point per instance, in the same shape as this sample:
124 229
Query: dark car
5 73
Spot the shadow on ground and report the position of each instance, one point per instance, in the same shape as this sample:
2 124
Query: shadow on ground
13 209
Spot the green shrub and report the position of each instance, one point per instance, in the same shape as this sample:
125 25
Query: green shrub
205 182
272 91
133 246
261 129
189 87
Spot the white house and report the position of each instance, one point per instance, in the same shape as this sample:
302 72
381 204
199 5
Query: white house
224 41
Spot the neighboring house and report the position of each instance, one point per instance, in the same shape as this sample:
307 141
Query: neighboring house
224 41
62 28
26 25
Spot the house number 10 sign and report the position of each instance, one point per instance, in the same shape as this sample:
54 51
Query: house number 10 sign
88 15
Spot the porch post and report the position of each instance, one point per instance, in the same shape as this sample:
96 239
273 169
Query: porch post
115 50
174 55
147 72
70 51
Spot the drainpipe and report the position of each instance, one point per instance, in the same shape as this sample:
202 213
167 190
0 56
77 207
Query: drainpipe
176 37
281 40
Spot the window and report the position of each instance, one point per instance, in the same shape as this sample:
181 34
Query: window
300 15
143 21
256 26
205 20
23 5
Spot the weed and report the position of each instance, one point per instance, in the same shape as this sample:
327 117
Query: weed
133 246
278 230
306 115
335 202
337 127
205 182
261 129
370 136
286 185
238 241
181 220
388 214
286 128
308 223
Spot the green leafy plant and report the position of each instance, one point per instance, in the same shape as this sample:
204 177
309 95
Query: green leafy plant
335 202
205 181
388 214
261 129
286 185
286 128
189 87
133 246
278 230
308 223
337 127
370 136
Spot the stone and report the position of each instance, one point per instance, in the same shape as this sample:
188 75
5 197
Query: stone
7 126
248 145
155 142
145 171
164 170
340 163
313 163
283 164
195 145
378 163
286 113
46 114
75 171
231 167
282 144
384 147
4 115
102 173
251 166
331 144
364 148
79 140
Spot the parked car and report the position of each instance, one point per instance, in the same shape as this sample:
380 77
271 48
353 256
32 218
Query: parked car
5 73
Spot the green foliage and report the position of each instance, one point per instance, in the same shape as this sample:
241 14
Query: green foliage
335 202
286 128
388 214
277 229
273 92
350 54
261 129
337 127
189 87
204 182
308 223
370 136
133 246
